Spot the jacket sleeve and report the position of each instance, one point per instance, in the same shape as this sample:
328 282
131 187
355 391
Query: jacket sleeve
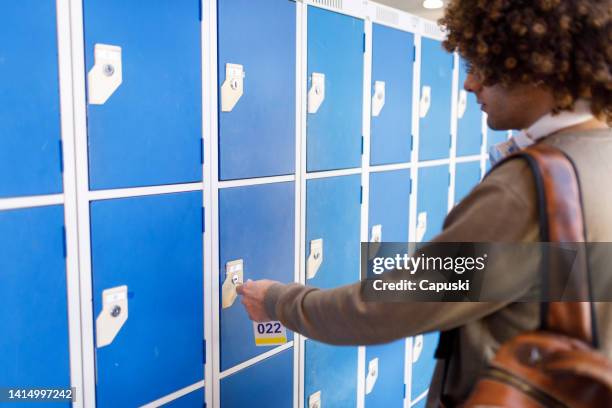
493 212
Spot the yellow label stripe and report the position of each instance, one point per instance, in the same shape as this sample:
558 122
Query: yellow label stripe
270 340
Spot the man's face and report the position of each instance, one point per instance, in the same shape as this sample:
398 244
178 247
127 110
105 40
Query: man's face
509 108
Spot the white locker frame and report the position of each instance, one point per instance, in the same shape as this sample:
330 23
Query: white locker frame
76 196
76 109
209 40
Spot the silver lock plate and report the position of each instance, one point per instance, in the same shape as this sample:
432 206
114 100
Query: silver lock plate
316 94
234 276
106 75
233 86
378 99
113 316
315 259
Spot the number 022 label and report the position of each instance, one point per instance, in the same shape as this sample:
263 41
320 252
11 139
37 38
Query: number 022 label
269 333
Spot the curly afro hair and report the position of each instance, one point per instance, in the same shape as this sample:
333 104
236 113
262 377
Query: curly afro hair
566 45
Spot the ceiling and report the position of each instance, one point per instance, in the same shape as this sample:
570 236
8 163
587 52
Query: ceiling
414 7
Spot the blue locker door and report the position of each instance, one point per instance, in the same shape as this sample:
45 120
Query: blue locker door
153 245
194 399
390 204
335 49
332 370
437 78
424 364
34 348
433 198
257 225
268 383
467 176
257 138
392 63
30 150
149 131
469 122
389 387
390 208
333 215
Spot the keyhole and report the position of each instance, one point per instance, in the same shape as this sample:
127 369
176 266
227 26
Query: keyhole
116 311
317 255
234 84
108 69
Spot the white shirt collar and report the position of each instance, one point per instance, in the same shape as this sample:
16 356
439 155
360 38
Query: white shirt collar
549 123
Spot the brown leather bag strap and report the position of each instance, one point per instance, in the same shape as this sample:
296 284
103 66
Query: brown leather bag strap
561 220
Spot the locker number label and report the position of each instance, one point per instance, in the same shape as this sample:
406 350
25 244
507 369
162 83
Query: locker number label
269 333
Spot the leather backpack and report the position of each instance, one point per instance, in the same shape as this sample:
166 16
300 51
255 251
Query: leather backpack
557 366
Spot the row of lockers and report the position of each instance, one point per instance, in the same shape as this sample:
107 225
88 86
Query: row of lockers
153 245
149 132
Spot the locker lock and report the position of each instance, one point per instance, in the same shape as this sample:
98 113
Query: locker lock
372 375
316 94
232 88
315 259
106 75
375 241
116 311
314 400
113 316
235 279
376 233
417 347
234 276
421 227
462 105
425 102
108 70
378 99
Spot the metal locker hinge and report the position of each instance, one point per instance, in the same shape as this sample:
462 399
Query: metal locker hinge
106 75
234 276
316 94
378 99
315 259
233 86
64 244
113 316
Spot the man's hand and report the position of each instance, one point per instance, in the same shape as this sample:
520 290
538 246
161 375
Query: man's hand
253 294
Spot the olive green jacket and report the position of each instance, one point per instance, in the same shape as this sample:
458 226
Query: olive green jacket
500 209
